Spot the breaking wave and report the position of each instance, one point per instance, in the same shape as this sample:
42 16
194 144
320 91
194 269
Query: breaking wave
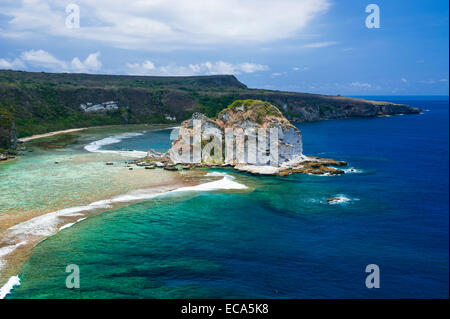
95 147
11 283
47 224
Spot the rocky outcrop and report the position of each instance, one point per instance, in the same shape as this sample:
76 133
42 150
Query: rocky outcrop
205 142
246 132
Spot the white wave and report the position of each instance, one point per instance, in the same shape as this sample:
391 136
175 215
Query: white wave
10 284
227 182
215 174
7 250
71 224
47 225
95 147
341 199
351 170
322 175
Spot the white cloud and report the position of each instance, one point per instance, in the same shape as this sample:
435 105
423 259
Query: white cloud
296 68
43 60
277 74
361 85
90 64
443 80
167 24
320 44
205 68
404 80
11 65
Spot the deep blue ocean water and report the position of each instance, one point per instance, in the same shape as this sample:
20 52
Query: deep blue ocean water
280 239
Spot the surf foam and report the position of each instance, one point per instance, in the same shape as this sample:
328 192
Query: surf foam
7 250
10 284
95 147
47 224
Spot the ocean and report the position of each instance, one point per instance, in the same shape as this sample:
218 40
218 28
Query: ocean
275 237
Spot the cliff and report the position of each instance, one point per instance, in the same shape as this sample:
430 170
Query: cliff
42 102
251 136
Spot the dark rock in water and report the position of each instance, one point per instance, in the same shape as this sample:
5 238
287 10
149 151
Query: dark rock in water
109 163
144 163
11 152
150 167
3 157
171 168
131 168
56 162
333 199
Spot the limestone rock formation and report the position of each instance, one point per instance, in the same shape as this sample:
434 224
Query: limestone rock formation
246 132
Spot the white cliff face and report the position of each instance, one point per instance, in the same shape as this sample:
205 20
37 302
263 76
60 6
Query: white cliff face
254 133
290 144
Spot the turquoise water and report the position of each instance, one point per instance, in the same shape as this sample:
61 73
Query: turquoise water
279 238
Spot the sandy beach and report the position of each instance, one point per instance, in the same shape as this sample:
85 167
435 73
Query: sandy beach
33 137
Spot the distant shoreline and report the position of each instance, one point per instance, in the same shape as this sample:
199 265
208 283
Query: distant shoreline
33 137
37 136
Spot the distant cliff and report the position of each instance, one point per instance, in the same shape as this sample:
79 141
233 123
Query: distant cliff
41 102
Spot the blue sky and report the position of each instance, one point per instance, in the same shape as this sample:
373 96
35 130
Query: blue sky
317 46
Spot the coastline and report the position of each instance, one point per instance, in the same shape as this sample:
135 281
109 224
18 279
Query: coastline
26 235
53 133
34 137
22 229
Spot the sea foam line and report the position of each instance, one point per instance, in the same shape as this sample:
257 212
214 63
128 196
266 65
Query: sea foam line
47 224
10 284
7 250
95 147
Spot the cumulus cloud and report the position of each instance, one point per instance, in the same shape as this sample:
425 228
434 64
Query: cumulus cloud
91 63
168 23
15 64
320 44
44 60
205 68
41 58
404 80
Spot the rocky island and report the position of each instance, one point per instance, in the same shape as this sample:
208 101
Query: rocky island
250 136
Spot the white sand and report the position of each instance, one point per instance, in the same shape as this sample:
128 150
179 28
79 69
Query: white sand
26 139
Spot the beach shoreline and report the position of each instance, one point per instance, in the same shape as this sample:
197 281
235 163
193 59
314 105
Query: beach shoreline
34 137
